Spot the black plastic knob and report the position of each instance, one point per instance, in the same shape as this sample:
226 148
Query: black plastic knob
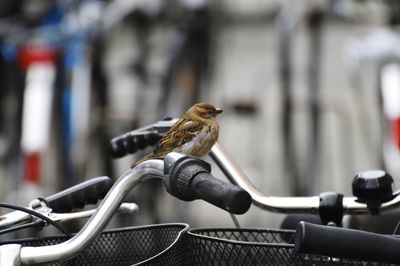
373 187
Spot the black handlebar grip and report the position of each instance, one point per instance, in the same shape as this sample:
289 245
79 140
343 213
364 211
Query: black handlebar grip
139 139
346 243
131 143
117 148
76 197
189 179
219 193
152 139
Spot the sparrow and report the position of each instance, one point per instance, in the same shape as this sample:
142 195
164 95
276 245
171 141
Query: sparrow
195 133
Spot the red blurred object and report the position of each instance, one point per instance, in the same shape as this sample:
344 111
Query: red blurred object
32 167
396 131
29 55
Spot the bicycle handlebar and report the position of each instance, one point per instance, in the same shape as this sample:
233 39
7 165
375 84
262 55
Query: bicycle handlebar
312 204
190 180
98 221
315 239
225 198
350 205
346 243
275 204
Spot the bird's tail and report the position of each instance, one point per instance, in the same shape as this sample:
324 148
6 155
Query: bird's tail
145 158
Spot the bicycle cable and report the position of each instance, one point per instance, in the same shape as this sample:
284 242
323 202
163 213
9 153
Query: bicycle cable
235 221
38 215
22 226
43 218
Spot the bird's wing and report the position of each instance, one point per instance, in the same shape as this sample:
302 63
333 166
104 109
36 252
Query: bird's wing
184 130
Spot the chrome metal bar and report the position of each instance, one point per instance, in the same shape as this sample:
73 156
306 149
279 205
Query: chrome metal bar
10 254
14 218
18 217
352 206
63 217
146 170
285 204
276 204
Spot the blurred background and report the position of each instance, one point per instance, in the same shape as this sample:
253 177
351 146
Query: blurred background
310 92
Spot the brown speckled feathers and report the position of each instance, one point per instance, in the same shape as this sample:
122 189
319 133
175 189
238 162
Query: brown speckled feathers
194 133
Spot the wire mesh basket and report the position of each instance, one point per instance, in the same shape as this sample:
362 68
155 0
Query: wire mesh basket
150 245
174 244
252 247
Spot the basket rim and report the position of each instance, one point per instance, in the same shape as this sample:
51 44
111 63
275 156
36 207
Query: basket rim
185 227
192 233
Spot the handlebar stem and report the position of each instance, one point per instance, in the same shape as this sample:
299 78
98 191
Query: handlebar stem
144 171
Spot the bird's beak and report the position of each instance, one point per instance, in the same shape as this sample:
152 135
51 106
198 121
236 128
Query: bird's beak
218 111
